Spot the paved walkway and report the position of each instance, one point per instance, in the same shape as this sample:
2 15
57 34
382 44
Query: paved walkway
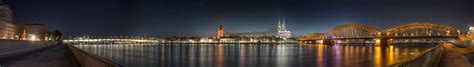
457 55
7 46
56 56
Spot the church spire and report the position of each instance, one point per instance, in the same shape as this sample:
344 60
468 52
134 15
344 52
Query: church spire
282 31
279 24
283 25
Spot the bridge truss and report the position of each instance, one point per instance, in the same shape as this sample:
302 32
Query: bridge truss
404 33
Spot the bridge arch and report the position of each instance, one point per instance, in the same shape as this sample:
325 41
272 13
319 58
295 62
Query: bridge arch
421 29
353 31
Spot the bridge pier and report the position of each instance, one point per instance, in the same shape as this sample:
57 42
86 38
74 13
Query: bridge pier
381 42
328 42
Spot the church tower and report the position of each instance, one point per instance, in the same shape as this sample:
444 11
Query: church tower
282 31
220 32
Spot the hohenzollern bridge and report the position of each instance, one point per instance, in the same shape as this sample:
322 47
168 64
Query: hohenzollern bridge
400 34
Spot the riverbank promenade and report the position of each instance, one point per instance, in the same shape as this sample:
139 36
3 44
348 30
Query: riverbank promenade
47 54
35 54
460 54
451 54
54 56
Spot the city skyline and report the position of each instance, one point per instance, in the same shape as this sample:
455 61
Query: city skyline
236 33
168 18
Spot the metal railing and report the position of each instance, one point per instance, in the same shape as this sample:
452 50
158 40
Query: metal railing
429 58
91 60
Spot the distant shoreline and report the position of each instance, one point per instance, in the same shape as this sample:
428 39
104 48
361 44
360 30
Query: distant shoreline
182 43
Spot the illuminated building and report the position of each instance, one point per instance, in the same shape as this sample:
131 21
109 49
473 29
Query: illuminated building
6 13
228 40
220 32
35 32
7 28
282 31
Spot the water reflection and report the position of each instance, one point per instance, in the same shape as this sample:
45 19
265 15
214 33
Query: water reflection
251 55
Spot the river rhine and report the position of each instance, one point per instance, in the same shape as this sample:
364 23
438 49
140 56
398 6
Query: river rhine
251 55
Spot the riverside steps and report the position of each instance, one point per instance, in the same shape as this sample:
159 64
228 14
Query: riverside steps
47 54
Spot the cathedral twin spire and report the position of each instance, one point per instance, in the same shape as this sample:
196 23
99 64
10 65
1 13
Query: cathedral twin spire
282 31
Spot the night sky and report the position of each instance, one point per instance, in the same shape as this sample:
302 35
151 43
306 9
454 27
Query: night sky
202 17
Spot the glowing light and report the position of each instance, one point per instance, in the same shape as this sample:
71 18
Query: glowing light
391 55
378 43
378 57
471 28
33 38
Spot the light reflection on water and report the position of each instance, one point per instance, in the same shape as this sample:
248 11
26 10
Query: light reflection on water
248 55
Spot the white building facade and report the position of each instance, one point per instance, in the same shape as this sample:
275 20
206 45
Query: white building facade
282 31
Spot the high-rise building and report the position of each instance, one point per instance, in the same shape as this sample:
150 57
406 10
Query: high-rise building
220 32
6 13
282 31
7 28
